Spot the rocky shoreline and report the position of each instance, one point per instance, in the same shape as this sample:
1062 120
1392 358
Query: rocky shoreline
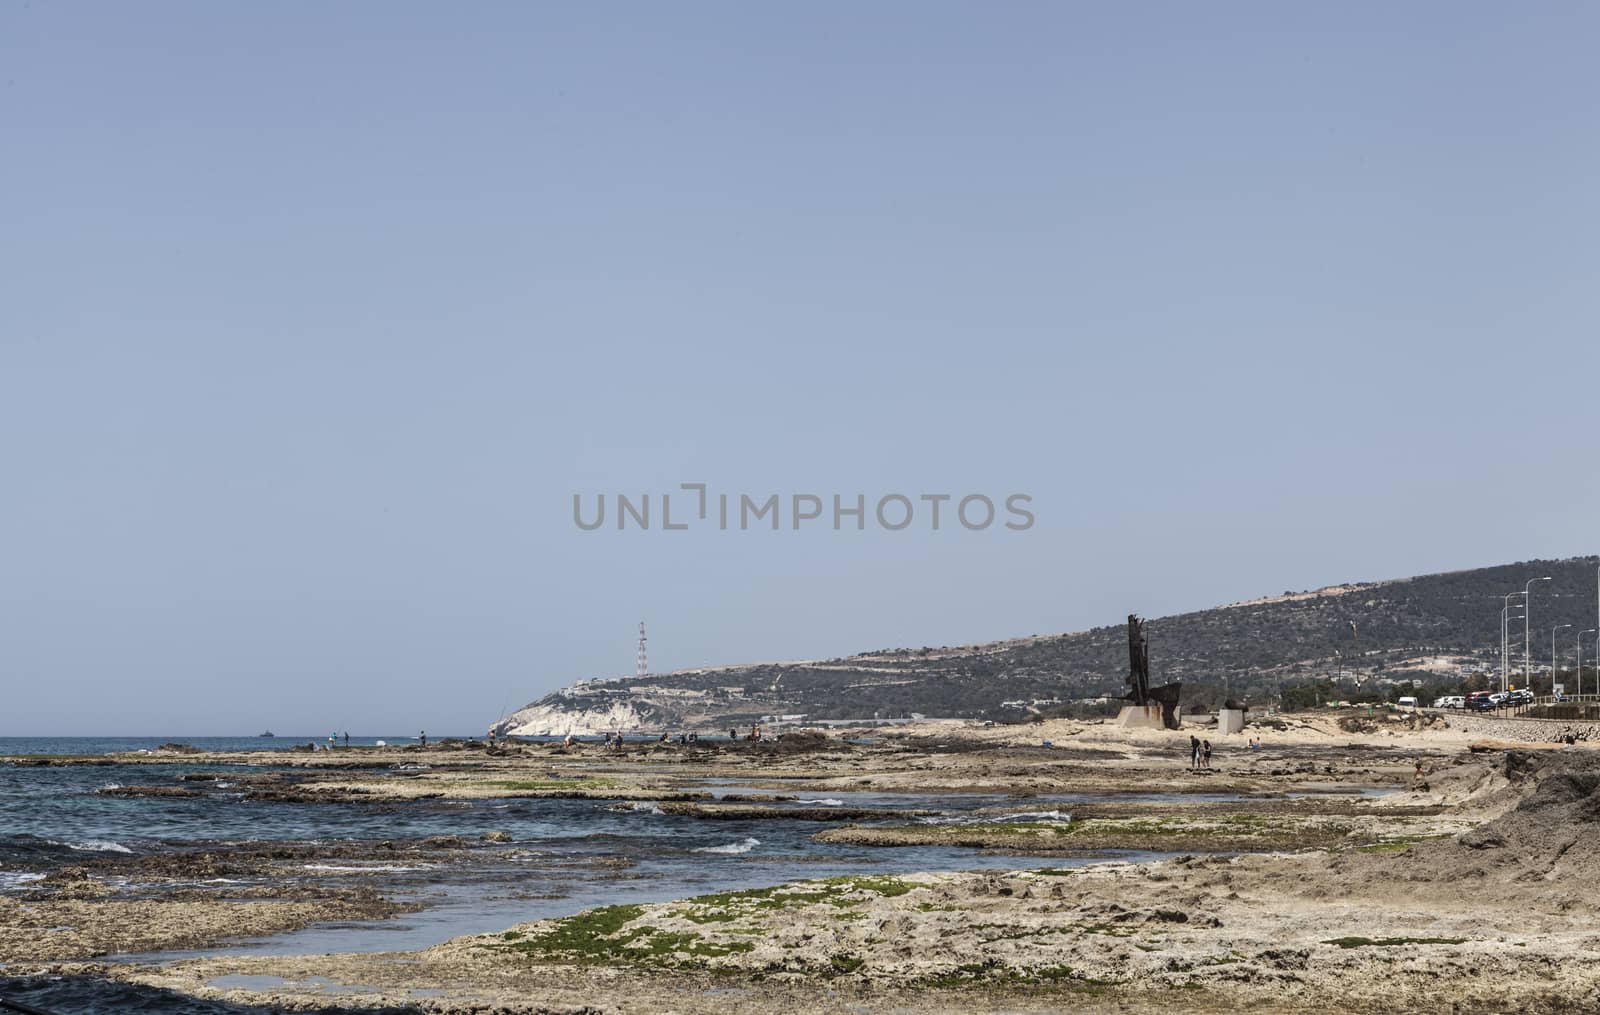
1325 872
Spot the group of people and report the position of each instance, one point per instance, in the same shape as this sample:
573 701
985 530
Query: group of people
1200 753
333 741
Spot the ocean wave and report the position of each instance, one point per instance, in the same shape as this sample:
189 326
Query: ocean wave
731 849
824 802
994 819
1037 816
95 846
329 868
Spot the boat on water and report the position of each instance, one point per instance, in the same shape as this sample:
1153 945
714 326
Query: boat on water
268 733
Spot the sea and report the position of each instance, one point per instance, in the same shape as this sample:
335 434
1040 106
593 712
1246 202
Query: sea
121 745
569 855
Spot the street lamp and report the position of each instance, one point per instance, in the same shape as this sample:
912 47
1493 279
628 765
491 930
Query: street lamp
1505 638
1553 631
1580 659
1527 640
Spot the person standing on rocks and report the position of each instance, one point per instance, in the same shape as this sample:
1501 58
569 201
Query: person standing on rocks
1205 755
1194 753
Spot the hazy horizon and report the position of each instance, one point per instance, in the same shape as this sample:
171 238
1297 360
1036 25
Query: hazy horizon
318 319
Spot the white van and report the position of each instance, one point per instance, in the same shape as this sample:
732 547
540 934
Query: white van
1407 702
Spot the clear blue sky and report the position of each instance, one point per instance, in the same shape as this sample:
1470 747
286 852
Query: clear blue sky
313 318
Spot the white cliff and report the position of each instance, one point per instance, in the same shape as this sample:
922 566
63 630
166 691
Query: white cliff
544 718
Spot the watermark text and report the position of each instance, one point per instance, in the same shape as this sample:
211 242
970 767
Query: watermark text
695 505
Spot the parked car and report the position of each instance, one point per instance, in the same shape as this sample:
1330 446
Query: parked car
1479 701
1519 697
1407 702
1450 701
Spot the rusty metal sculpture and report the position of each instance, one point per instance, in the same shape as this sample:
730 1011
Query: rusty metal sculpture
1140 692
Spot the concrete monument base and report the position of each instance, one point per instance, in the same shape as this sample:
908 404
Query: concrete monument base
1141 717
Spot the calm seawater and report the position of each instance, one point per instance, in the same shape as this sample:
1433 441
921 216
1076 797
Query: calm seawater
57 816
118 745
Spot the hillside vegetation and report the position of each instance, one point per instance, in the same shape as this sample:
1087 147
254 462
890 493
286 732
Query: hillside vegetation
1430 627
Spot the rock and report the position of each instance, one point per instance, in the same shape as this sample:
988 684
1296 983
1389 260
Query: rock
496 836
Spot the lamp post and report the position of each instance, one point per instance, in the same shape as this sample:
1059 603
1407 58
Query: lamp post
1505 638
1553 631
1527 639
1581 660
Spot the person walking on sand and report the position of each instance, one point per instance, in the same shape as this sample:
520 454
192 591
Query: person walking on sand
1194 753
1205 755
423 736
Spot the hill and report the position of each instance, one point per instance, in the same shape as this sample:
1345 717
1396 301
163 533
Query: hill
1354 639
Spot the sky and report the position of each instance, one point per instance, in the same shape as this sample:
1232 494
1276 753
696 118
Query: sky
315 319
